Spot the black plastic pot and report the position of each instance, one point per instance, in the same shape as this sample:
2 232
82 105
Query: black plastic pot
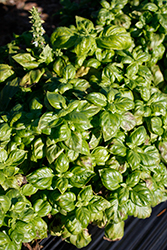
140 234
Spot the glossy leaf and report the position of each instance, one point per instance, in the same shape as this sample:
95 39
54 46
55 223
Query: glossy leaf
66 201
138 137
26 60
111 178
128 121
141 196
41 178
114 232
101 155
97 99
114 37
56 100
5 72
110 124
80 176
42 207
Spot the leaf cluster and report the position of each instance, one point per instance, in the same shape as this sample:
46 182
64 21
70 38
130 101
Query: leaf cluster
83 125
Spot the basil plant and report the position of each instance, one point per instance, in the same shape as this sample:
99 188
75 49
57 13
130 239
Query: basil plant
83 125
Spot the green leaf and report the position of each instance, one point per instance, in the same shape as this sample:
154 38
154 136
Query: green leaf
47 119
123 195
138 136
4 239
156 125
56 100
46 55
150 156
150 6
123 104
86 194
110 73
5 132
114 232
133 159
128 121
118 148
96 206
95 139
84 45
42 207
63 37
5 72
114 37
3 155
80 176
84 24
62 132
72 155
40 226
100 155
110 124
110 178
16 157
29 189
132 69
33 76
141 196
85 148
62 163
35 104
79 84
61 184
66 201
133 178
163 20
5 203
88 109
157 75
53 152
81 240
73 225
37 149
80 120
163 149
83 216
26 60
74 142
41 178
69 72
8 92
97 99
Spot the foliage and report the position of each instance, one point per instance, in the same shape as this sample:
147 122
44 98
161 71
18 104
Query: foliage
83 125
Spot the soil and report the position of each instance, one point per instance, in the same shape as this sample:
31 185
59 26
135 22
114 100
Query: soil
15 17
